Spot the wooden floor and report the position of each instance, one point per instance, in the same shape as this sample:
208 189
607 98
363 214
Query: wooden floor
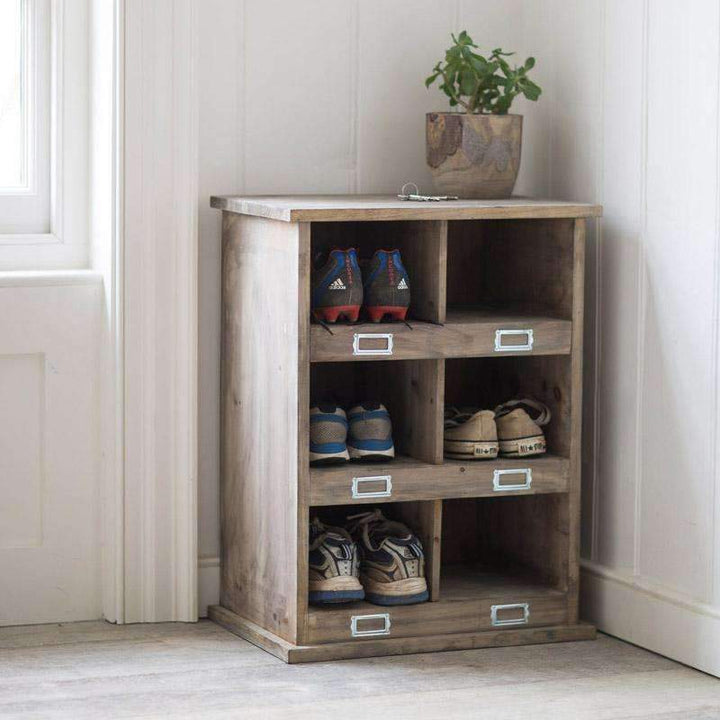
98 670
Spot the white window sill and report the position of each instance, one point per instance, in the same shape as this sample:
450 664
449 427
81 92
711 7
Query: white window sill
49 278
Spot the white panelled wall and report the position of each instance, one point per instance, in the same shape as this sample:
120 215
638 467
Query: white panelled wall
320 96
328 96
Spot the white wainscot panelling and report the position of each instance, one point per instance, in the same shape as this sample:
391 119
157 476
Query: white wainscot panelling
22 462
49 460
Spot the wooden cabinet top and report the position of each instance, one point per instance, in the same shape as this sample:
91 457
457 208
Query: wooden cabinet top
327 208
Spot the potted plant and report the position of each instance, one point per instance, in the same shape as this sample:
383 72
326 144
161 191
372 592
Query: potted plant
474 152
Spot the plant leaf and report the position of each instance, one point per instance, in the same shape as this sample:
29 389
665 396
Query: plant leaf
468 82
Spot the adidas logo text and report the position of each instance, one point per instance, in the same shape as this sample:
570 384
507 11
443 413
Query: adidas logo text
337 284
402 285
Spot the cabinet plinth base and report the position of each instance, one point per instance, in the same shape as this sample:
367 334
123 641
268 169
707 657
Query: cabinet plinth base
290 653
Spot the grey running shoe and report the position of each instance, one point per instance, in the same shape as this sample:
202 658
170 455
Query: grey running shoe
392 562
328 433
333 565
370 433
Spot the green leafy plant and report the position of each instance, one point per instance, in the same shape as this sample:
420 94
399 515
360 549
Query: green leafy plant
482 84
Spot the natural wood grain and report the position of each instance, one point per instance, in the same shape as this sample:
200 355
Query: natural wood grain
425 518
403 645
324 208
260 396
303 431
466 333
415 480
576 384
525 265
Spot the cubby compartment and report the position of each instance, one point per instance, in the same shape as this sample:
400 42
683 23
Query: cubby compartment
490 543
421 244
411 391
358 620
488 382
519 267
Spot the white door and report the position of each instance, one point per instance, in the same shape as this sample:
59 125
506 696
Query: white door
49 469
49 321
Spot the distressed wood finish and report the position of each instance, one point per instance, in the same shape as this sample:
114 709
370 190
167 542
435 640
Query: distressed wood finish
426 520
396 646
346 208
575 430
447 616
466 333
260 402
519 267
415 480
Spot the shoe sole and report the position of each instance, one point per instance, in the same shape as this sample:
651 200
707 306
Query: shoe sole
341 589
523 447
377 313
358 454
471 450
329 597
400 592
331 314
329 458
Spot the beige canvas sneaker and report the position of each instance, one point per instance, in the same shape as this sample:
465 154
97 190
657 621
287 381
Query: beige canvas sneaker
519 427
470 434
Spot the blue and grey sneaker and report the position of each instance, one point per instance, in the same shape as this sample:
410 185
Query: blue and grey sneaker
333 565
392 561
370 434
328 433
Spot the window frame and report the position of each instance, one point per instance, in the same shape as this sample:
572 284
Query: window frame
65 243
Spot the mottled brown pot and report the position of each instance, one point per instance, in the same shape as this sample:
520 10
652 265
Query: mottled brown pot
474 156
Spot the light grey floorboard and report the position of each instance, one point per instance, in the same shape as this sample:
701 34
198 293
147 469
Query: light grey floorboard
98 670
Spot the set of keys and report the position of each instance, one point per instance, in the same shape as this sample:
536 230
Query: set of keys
422 198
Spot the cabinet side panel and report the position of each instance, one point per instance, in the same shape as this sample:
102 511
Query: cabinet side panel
259 498
303 444
576 372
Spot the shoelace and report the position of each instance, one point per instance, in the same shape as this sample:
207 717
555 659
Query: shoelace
455 417
374 520
324 531
539 412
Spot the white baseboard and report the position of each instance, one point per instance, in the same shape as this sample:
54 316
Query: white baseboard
208 583
679 628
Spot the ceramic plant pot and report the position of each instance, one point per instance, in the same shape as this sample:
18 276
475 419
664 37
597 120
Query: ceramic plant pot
474 156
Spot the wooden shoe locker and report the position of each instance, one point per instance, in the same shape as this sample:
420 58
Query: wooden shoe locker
497 313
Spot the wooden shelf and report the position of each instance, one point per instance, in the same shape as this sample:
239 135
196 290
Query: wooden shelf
414 480
476 268
467 597
371 208
467 332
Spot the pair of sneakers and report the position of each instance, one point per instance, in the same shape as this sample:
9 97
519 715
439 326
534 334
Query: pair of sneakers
363 433
373 558
338 289
513 429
